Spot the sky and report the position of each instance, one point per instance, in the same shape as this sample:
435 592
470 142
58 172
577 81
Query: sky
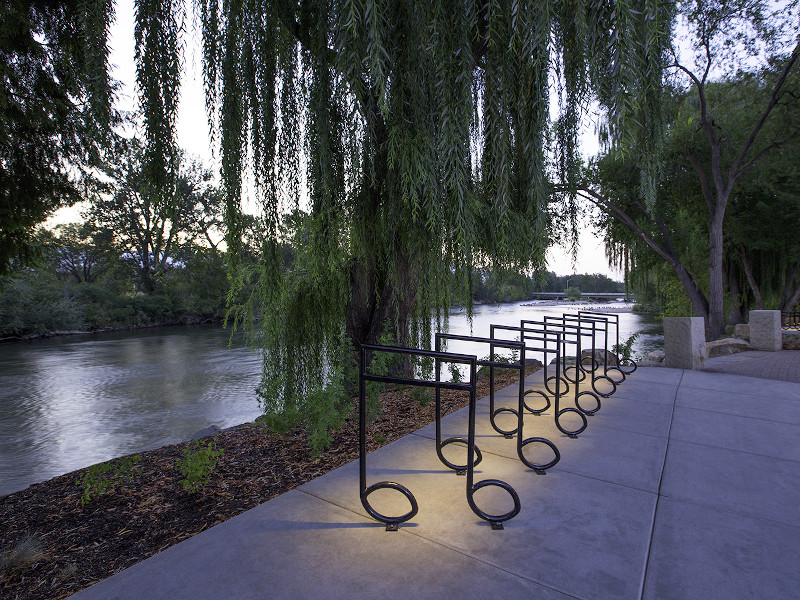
193 135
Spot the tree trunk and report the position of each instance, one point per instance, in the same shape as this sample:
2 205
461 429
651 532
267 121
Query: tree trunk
736 314
751 280
696 297
715 323
380 305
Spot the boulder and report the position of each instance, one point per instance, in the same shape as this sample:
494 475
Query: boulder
210 430
656 356
726 347
742 330
600 356
790 340
684 343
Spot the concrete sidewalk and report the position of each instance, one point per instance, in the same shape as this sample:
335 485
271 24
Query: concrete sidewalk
783 365
685 485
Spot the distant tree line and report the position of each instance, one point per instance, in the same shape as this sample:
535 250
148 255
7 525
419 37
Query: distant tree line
133 261
497 287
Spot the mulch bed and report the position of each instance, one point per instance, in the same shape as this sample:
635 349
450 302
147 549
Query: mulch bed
77 545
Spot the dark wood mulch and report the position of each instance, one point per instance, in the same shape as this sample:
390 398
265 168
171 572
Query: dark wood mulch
134 519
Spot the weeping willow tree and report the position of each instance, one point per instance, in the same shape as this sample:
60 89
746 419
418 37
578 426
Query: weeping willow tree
56 112
414 134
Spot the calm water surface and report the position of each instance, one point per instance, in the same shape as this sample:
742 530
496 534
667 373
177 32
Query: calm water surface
70 402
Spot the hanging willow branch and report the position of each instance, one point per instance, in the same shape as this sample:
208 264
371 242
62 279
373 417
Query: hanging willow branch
413 137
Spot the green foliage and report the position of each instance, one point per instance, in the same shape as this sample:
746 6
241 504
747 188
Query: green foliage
675 302
81 283
455 372
56 112
573 293
199 286
199 459
422 395
97 479
625 349
33 303
730 108
327 408
422 133
152 228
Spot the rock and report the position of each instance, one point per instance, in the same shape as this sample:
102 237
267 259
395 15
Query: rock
600 356
790 340
210 430
533 362
726 347
656 356
742 330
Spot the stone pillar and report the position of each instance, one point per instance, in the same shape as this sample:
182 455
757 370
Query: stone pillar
765 330
684 342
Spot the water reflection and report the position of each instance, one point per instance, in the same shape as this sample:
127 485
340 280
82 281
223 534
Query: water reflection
71 402
650 334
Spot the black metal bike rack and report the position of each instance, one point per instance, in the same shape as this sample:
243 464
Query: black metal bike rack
493 412
546 337
392 523
576 331
625 366
584 327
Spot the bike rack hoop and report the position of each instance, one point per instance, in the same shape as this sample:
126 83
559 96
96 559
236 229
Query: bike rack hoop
364 376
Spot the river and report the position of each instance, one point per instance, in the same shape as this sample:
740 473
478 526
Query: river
70 402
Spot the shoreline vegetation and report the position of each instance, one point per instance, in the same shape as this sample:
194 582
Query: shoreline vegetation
57 542
183 322
190 320
48 299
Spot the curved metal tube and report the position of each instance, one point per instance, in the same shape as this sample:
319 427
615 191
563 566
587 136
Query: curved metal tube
391 522
629 364
473 454
472 487
549 336
535 411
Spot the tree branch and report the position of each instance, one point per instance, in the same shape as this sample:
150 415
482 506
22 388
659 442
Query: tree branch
734 172
698 168
751 280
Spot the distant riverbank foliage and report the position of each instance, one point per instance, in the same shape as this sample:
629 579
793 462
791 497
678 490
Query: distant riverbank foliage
46 297
43 298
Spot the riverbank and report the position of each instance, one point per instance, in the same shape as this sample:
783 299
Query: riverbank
53 545
581 306
186 320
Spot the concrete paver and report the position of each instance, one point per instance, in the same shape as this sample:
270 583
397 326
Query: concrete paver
770 406
783 365
749 484
704 552
684 485
746 434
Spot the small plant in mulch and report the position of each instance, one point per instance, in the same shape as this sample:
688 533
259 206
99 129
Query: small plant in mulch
21 556
422 395
97 479
199 459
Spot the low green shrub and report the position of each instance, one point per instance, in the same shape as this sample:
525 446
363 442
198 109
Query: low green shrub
199 459
97 479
